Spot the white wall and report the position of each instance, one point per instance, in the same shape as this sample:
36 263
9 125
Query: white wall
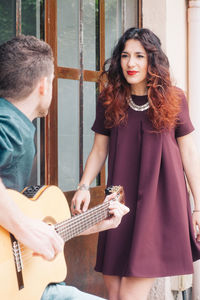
194 65
154 18
131 14
176 40
167 19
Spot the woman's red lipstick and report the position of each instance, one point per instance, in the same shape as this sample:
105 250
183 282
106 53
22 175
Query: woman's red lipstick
132 72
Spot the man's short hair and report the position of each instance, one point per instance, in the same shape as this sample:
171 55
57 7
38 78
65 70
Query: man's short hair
24 60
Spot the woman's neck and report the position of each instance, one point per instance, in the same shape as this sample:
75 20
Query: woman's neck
139 89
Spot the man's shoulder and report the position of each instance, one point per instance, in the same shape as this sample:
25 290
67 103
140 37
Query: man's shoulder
12 118
10 135
10 129
7 113
8 122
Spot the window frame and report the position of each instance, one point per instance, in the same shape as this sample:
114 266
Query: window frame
81 74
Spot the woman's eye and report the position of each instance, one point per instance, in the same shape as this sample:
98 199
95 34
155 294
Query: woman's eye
124 55
140 56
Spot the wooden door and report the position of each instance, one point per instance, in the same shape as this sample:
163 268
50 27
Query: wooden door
82 34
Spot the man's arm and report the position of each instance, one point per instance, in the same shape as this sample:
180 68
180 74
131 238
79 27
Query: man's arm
34 234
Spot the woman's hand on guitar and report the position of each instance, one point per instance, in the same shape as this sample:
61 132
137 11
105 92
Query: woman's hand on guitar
80 201
40 237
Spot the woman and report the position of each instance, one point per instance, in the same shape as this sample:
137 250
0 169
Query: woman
143 124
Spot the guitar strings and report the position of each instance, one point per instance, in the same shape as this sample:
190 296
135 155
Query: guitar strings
62 224
80 227
26 254
80 219
82 222
85 214
77 220
72 227
77 226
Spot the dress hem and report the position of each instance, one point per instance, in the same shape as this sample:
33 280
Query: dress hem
156 275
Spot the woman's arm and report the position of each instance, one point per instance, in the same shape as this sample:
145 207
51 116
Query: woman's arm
94 163
191 163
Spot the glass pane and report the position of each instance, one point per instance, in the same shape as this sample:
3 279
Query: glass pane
131 11
33 24
68 134
33 17
89 111
89 35
7 20
35 177
113 24
68 33
29 17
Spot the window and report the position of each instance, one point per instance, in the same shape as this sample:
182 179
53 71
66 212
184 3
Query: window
86 32
82 34
26 17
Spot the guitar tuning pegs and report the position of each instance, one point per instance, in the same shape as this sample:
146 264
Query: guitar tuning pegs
112 189
118 189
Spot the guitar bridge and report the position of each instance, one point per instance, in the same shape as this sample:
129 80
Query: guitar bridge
17 256
18 261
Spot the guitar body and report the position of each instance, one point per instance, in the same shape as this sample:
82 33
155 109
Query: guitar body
50 206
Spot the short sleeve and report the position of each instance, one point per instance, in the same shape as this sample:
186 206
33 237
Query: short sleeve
10 141
184 125
99 123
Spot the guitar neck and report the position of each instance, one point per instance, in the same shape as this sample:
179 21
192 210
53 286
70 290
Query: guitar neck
74 226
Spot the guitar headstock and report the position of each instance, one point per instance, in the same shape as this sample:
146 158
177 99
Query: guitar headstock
119 190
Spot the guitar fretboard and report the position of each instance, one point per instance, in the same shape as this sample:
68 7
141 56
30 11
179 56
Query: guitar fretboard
79 223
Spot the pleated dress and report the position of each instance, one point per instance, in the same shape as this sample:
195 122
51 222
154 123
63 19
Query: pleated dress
156 238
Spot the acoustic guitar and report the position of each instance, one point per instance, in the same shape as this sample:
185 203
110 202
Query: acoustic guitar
24 276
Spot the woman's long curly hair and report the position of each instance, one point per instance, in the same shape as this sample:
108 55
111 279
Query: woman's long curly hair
164 98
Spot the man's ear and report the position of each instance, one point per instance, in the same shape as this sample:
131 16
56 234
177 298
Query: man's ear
43 86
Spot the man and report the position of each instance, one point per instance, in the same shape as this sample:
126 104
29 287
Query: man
26 76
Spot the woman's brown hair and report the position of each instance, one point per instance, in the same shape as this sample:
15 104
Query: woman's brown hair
164 98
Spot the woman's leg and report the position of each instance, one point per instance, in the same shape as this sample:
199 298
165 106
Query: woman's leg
135 288
113 286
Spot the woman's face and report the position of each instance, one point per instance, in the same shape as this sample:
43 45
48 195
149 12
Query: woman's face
134 63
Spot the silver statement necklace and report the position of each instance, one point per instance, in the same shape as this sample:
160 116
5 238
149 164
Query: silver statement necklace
136 107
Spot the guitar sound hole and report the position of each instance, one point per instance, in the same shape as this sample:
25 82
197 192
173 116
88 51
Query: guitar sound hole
49 220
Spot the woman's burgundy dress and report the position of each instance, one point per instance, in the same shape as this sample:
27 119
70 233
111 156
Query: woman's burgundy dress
156 237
